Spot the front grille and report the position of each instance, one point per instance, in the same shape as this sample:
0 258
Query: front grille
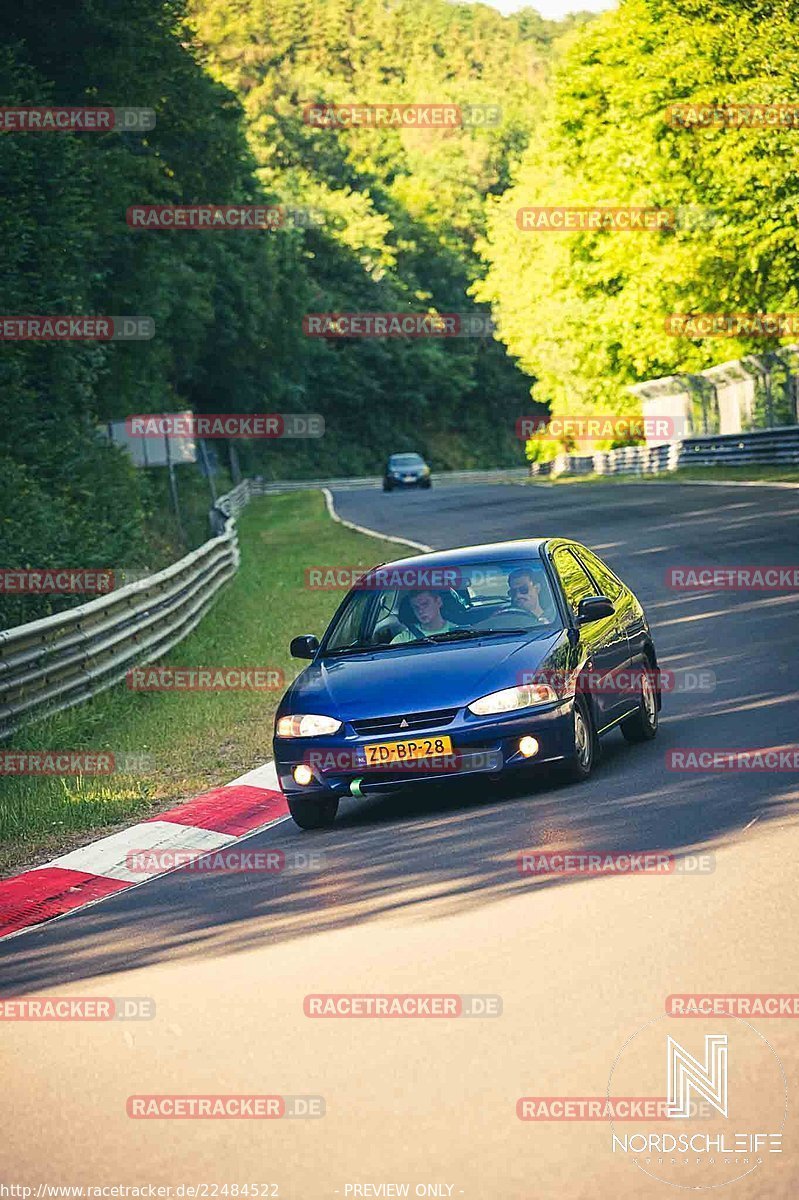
419 720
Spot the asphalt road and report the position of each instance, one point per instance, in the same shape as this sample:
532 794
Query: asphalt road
422 894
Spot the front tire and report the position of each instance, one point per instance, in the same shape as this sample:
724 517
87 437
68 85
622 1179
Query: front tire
312 814
581 764
642 725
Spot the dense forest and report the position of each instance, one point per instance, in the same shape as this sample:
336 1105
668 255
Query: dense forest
396 217
411 220
586 311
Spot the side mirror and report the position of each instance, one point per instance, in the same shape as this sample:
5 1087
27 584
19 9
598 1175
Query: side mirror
594 608
304 646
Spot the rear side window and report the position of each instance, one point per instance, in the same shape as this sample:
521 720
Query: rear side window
576 582
607 582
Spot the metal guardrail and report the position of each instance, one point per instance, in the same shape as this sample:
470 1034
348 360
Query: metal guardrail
51 664
767 447
264 487
637 460
268 487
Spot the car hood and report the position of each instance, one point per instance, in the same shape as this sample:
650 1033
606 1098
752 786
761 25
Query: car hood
416 678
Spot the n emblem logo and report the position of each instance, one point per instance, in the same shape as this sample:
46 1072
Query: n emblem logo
687 1074
403 724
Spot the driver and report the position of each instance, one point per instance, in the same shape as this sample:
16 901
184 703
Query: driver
426 607
525 593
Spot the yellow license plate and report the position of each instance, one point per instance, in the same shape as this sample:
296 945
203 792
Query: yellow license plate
378 754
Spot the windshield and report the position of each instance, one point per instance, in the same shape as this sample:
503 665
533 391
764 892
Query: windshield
457 603
405 460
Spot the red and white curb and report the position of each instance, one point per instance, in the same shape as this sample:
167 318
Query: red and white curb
246 806
85 876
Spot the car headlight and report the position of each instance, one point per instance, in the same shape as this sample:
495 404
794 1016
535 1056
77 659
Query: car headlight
306 725
512 698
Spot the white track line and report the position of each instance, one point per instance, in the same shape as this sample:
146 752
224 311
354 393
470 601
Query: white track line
73 912
264 776
386 537
110 856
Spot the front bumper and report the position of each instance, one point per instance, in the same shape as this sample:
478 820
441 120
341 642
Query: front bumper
480 745
417 481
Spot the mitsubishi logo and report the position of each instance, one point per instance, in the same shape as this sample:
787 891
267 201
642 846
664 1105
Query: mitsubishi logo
403 724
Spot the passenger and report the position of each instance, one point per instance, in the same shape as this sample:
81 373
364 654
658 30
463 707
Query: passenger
426 607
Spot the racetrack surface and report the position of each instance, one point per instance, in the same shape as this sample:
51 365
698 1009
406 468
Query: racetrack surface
421 893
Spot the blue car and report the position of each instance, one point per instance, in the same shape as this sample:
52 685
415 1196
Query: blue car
481 660
406 470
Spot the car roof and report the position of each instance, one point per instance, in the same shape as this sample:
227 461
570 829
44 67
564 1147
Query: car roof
488 552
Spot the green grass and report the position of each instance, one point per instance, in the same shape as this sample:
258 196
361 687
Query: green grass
755 474
197 740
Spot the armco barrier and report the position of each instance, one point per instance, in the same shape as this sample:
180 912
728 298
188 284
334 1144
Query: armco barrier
262 487
51 664
56 662
764 447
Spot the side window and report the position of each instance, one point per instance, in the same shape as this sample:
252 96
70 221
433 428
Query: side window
576 582
607 582
351 621
386 606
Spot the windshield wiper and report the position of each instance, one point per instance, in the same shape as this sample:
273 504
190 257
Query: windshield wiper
458 635
369 648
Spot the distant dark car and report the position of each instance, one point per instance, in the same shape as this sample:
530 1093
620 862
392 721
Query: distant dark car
486 659
406 470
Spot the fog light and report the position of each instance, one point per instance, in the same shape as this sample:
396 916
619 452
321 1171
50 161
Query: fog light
303 774
528 746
